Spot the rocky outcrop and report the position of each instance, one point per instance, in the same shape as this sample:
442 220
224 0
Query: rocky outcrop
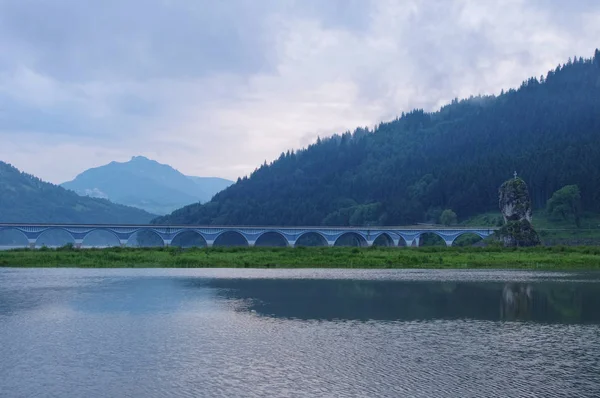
514 202
515 206
518 234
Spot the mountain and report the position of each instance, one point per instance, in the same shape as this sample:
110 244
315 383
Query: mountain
145 184
25 198
409 169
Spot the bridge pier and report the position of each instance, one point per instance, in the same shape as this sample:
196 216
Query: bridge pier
412 242
78 243
32 243
123 242
167 242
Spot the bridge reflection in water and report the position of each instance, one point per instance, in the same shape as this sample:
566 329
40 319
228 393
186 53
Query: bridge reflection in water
166 235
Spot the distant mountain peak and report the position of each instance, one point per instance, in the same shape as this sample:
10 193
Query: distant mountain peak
147 184
141 158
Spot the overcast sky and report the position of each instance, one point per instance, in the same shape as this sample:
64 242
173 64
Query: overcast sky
214 88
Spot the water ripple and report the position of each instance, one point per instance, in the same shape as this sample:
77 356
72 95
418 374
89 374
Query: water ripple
149 334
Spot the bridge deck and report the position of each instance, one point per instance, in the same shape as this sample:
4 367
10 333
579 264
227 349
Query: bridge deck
365 236
269 227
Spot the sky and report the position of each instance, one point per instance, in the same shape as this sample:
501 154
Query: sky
215 88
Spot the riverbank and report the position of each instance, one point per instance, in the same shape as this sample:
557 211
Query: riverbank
552 258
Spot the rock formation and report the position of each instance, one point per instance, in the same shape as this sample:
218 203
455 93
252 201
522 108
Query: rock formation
515 206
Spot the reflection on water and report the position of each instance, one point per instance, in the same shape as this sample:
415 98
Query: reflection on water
554 302
255 333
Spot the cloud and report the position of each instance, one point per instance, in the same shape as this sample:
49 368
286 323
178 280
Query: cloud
216 88
74 40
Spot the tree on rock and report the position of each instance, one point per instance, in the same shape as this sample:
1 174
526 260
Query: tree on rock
566 204
448 217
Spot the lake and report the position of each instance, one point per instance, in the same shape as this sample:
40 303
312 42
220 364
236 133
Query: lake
298 333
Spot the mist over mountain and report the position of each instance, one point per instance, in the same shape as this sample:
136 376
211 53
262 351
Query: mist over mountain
25 198
145 184
408 170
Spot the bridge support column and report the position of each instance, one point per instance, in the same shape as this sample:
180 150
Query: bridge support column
291 243
370 243
449 242
209 243
251 243
32 243
78 243
167 242
123 242
330 243
412 242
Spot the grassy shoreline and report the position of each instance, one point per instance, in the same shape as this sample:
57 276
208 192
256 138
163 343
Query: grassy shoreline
550 258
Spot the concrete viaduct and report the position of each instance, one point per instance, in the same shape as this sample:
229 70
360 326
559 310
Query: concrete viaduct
250 236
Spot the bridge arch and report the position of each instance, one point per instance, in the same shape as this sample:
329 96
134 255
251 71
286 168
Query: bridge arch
311 238
271 238
351 239
188 238
145 237
55 237
468 238
430 238
97 231
13 237
383 239
231 238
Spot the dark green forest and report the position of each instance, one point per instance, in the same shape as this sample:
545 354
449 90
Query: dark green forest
25 198
410 169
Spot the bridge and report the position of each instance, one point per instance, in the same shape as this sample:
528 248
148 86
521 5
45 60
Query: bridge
250 236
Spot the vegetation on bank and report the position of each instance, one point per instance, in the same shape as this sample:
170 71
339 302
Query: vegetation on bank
547 258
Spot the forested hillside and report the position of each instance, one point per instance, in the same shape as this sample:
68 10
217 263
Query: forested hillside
25 198
409 169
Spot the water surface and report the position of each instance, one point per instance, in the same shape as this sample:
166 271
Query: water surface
298 333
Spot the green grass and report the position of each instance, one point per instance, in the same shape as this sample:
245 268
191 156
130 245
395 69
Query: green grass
551 258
